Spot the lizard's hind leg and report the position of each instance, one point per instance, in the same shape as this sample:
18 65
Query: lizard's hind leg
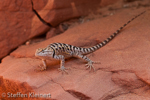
90 62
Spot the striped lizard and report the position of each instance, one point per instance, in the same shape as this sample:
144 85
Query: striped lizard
61 51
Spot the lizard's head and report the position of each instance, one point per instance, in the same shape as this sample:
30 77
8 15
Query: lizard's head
44 53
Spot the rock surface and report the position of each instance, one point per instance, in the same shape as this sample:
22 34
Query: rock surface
12 89
122 75
18 23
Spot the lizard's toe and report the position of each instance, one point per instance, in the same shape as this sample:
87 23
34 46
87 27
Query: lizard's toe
90 65
41 68
63 69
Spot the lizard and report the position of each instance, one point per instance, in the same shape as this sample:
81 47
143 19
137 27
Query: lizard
61 51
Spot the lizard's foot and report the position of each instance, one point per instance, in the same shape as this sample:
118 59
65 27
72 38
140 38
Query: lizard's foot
90 65
63 69
41 68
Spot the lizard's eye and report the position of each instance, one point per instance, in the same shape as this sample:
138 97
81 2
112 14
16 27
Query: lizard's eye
39 50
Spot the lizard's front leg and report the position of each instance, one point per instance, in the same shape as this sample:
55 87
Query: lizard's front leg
44 65
62 63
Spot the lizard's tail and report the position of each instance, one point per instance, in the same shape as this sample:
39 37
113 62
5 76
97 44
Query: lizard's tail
96 47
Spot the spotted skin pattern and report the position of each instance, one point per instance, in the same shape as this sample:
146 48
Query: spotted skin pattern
61 51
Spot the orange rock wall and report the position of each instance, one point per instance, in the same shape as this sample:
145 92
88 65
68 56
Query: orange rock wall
124 70
18 23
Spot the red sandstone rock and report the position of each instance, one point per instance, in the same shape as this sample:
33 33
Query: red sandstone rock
122 75
130 97
20 91
18 23
53 32
121 59
56 11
